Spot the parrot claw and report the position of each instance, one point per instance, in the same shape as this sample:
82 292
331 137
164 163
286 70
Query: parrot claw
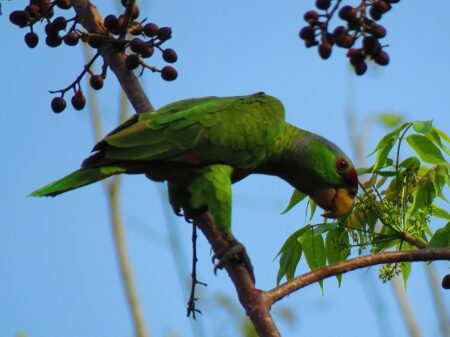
235 253
177 211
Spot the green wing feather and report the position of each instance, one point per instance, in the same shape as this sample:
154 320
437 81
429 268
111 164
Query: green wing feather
78 178
238 131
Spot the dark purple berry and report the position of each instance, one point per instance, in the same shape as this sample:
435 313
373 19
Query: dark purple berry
135 12
32 10
96 82
137 45
356 56
147 51
150 29
111 23
71 39
347 13
164 33
50 29
168 73
378 31
375 13
307 33
31 39
381 58
132 61
53 40
370 45
63 4
323 4
446 282
58 104
78 100
19 18
382 6
169 55
60 23
360 68
325 50
311 17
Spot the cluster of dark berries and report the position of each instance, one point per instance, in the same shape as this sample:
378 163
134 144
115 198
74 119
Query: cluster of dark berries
360 25
150 37
42 11
146 38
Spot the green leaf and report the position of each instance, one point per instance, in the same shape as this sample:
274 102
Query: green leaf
314 250
441 237
364 170
436 137
429 187
323 227
410 163
441 213
382 156
390 119
405 268
290 252
422 126
442 134
290 241
387 139
289 261
296 197
312 207
337 247
425 148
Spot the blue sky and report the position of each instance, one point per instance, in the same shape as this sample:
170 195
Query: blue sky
58 267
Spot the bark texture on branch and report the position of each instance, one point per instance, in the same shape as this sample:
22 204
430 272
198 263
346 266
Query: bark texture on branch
254 301
428 254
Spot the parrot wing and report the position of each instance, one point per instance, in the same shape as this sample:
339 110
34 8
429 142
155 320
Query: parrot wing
238 131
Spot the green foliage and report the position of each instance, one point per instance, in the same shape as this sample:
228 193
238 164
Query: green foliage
397 202
296 197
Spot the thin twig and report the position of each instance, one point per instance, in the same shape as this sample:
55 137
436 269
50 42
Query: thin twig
429 254
191 309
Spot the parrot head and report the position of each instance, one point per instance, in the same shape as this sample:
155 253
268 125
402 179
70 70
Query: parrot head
338 200
326 174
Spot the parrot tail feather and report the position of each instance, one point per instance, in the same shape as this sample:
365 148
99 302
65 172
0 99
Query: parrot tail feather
78 178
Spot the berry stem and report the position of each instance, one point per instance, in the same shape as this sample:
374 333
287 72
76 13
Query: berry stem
78 79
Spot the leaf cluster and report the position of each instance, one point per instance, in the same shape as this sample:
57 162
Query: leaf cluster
398 200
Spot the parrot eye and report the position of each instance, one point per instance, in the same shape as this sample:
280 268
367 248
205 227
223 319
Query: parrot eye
341 165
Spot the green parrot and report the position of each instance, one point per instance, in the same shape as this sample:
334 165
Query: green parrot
201 146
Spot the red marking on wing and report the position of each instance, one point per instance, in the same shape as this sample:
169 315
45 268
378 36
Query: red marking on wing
192 158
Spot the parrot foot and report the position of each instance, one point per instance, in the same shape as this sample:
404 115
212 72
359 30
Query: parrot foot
235 253
188 213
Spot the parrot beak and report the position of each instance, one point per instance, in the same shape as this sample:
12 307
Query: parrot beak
335 201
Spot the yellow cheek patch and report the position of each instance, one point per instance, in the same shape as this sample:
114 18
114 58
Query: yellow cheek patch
341 204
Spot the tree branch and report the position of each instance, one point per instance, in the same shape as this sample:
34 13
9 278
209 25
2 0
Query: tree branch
255 301
91 20
428 254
